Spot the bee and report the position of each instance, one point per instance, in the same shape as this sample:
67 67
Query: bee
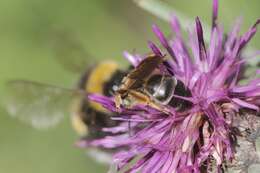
146 85
44 106
103 78
164 89
135 79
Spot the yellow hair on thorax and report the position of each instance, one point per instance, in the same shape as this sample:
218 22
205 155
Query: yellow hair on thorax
96 80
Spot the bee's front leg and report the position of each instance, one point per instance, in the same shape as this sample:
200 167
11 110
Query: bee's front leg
118 101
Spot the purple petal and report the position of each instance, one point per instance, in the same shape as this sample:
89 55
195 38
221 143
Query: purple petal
134 60
245 104
155 49
175 25
163 41
202 48
256 23
246 38
215 13
168 163
233 36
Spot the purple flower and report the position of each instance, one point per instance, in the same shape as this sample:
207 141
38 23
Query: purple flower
190 140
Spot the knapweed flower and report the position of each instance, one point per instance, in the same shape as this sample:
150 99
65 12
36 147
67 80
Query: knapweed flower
202 137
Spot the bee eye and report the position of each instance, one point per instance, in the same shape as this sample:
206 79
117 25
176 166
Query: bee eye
161 88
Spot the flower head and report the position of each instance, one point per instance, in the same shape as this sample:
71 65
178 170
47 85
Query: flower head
193 139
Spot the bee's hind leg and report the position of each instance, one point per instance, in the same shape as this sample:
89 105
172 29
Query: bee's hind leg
145 99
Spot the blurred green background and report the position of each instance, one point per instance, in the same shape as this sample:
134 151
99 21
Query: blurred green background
104 28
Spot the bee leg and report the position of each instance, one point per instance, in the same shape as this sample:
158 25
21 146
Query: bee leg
145 99
159 107
118 102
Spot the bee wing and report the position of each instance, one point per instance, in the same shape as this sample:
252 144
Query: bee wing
145 67
40 105
113 168
104 158
69 51
100 156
